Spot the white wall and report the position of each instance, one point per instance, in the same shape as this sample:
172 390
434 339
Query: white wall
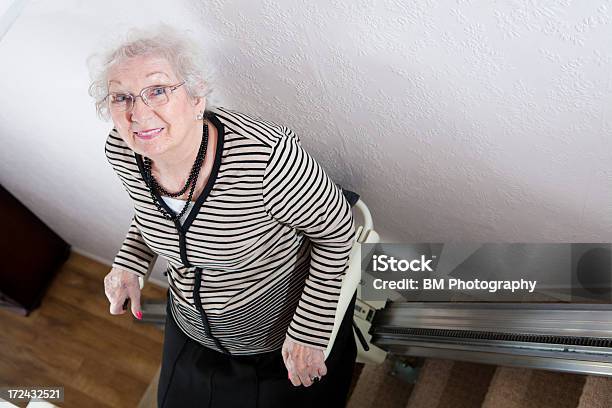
455 120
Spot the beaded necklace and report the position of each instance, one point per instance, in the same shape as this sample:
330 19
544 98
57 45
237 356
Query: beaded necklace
154 186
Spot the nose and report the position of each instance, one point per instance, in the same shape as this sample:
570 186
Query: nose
140 112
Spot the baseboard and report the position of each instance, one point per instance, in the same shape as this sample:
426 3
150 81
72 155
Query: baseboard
92 256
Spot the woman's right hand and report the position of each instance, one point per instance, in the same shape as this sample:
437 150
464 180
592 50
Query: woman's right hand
119 285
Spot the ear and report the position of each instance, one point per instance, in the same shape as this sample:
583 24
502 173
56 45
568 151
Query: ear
201 87
199 103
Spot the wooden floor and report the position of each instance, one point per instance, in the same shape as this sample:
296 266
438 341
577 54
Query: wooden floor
72 340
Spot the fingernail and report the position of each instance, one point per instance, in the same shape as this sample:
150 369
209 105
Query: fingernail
139 315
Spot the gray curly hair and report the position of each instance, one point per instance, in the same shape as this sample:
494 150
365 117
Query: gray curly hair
161 40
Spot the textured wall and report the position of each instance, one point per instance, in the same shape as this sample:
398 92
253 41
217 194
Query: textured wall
455 120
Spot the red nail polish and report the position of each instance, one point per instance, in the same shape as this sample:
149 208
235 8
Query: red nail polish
139 315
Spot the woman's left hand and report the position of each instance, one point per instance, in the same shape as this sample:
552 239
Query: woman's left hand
303 363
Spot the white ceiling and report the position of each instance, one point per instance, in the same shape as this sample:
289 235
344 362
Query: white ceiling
454 120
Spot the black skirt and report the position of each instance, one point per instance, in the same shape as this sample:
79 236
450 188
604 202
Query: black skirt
193 375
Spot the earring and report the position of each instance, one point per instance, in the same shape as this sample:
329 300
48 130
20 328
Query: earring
200 116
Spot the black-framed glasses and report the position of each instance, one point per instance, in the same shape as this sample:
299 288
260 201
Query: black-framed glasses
153 96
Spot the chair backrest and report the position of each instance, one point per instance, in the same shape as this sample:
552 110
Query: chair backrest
363 233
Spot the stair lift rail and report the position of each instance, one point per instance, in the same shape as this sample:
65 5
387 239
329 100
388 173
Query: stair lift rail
566 337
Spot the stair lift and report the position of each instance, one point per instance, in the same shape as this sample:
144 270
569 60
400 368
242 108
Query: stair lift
574 338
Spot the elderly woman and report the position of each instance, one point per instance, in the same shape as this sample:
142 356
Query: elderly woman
255 233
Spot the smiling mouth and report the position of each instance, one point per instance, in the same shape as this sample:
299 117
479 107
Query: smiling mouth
148 134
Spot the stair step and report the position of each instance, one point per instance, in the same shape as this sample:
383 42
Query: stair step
431 383
526 388
376 387
447 383
597 392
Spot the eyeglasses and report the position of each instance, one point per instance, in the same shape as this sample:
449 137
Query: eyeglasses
153 96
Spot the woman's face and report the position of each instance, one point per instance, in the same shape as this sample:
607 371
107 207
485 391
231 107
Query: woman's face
176 119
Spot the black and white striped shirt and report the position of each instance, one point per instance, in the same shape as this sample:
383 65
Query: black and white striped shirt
270 233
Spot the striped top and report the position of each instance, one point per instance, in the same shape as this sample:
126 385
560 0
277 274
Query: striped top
271 234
